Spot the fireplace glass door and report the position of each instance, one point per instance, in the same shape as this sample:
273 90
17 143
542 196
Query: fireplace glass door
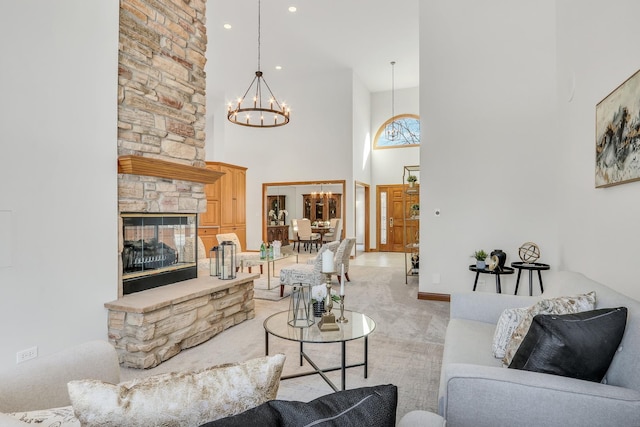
158 249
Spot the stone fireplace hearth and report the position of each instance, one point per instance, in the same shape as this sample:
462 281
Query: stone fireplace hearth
150 327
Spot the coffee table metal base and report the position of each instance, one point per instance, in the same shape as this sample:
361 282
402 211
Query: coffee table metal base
322 371
359 326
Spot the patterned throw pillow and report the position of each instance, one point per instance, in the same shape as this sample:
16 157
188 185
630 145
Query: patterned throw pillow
507 323
560 305
54 417
179 398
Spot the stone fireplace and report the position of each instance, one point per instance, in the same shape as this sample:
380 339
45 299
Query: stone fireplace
162 172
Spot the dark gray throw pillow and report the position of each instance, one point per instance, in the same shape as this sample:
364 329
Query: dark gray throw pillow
366 406
579 345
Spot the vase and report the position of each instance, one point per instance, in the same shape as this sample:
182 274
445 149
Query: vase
318 308
502 257
481 265
281 222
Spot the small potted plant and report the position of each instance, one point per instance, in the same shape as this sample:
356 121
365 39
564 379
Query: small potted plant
318 297
282 215
273 217
480 257
415 209
411 179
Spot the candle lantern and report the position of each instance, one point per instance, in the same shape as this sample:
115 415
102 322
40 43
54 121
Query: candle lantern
214 262
227 255
300 312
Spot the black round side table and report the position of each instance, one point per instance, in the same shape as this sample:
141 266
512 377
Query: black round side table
531 267
496 272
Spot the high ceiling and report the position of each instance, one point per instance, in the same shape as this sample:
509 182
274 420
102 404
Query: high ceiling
322 35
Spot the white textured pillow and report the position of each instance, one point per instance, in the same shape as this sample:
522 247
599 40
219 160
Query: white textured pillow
54 417
560 305
178 399
507 323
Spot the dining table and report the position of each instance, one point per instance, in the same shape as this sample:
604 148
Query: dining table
320 230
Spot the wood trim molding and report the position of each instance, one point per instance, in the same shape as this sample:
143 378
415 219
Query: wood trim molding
434 297
148 166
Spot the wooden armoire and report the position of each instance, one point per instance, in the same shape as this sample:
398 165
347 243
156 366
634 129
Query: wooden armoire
226 206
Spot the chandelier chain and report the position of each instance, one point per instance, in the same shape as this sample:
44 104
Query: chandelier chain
255 113
258 35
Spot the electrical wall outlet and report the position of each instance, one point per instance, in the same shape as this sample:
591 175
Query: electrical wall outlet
28 354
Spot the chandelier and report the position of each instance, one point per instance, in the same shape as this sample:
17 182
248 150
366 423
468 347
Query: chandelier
259 112
320 195
392 130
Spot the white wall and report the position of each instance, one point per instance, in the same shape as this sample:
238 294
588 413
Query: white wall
598 227
315 146
490 157
57 173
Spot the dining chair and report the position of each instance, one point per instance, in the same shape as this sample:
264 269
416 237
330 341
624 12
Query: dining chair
335 225
294 233
306 236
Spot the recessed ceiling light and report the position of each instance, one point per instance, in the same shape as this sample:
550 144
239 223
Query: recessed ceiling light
227 26
292 9
278 67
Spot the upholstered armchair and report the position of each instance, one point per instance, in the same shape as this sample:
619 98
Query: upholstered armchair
310 273
336 230
343 254
306 236
245 259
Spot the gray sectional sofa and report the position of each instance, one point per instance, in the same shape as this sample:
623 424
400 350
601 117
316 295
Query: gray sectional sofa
475 390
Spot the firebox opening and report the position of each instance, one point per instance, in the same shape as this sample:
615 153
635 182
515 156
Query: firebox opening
158 249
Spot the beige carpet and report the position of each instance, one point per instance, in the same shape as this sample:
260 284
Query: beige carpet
405 349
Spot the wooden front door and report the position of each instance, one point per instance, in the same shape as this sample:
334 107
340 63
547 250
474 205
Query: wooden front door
390 223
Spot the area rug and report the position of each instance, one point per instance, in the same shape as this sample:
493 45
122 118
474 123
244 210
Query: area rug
260 290
405 348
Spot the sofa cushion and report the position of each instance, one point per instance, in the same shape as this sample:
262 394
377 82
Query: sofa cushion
365 406
559 305
578 345
507 324
54 417
178 399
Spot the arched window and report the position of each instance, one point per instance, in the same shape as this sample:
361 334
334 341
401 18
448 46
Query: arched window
409 136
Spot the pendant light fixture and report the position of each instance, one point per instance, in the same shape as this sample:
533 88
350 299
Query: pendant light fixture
258 112
392 130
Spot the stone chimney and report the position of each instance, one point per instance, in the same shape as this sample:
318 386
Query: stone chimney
161 100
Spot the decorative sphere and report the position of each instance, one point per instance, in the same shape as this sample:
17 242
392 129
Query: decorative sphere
529 252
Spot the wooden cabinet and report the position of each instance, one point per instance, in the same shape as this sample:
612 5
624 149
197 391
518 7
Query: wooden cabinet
322 208
232 194
226 205
278 232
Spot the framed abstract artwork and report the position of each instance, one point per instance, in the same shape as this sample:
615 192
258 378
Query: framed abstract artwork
618 135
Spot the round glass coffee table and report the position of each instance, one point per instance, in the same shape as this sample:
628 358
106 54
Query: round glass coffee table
359 325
